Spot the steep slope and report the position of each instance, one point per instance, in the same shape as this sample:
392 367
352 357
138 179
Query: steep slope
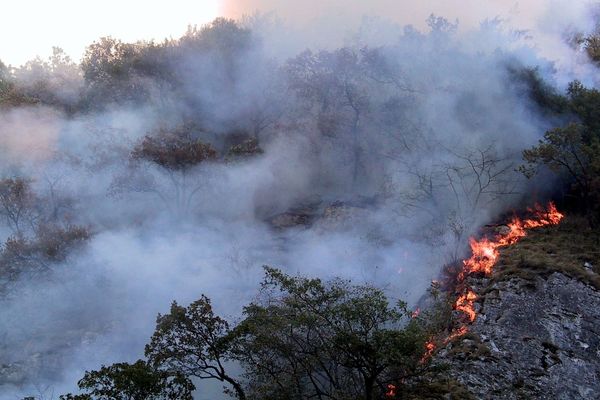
537 331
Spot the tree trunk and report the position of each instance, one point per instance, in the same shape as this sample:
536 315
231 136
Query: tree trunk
239 391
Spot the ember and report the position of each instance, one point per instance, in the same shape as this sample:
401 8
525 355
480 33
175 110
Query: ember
391 391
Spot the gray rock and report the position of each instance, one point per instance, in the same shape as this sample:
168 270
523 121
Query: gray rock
544 341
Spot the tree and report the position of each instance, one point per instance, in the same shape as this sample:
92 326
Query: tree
34 256
301 339
334 83
10 94
175 153
450 194
193 341
17 202
223 42
333 340
137 381
56 81
573 150
118 72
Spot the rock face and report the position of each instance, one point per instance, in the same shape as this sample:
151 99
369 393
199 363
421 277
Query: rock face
337 215
532 339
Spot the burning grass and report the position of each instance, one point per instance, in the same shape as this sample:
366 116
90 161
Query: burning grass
565 248
484 260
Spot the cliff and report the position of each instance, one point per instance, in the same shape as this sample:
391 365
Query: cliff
537 331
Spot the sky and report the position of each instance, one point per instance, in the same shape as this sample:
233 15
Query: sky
33 27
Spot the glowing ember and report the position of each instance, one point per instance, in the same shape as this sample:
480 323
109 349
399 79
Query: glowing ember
456 333
391 391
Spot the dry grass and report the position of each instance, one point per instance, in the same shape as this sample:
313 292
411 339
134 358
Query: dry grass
469 347
564 248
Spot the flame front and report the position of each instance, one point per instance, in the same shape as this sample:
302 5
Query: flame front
484 255
485 252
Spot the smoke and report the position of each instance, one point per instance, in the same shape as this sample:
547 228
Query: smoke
542 24
391 156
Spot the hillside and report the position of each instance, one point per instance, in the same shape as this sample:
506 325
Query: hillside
538 318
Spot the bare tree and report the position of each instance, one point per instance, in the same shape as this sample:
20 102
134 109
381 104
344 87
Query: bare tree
17 203
454 192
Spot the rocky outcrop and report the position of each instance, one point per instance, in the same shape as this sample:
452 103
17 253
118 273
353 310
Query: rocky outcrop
323 216
535 338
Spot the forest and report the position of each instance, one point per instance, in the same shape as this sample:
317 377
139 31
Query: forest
199 217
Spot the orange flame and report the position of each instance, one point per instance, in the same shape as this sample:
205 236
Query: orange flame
485 253
465 303
429 349
461 331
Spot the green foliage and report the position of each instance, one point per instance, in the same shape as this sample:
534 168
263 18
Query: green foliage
118 72
592 47
334 340
223 35
304 338
589 44
137 381
573 150
546 97
193 341
55 81
10 95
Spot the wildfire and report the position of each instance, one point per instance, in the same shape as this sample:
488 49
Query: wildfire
484 255
485 251
458 332
429 349
465 303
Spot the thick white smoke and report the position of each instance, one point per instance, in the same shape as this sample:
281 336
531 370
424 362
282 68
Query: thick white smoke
448 103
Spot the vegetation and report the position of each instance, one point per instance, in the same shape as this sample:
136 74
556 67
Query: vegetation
173 150
41 237
304 338
137 381
359 120
570 248
573 150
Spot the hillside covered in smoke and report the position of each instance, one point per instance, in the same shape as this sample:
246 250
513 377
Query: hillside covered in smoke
159 171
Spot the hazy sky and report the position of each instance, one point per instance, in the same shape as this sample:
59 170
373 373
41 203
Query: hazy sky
32 27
